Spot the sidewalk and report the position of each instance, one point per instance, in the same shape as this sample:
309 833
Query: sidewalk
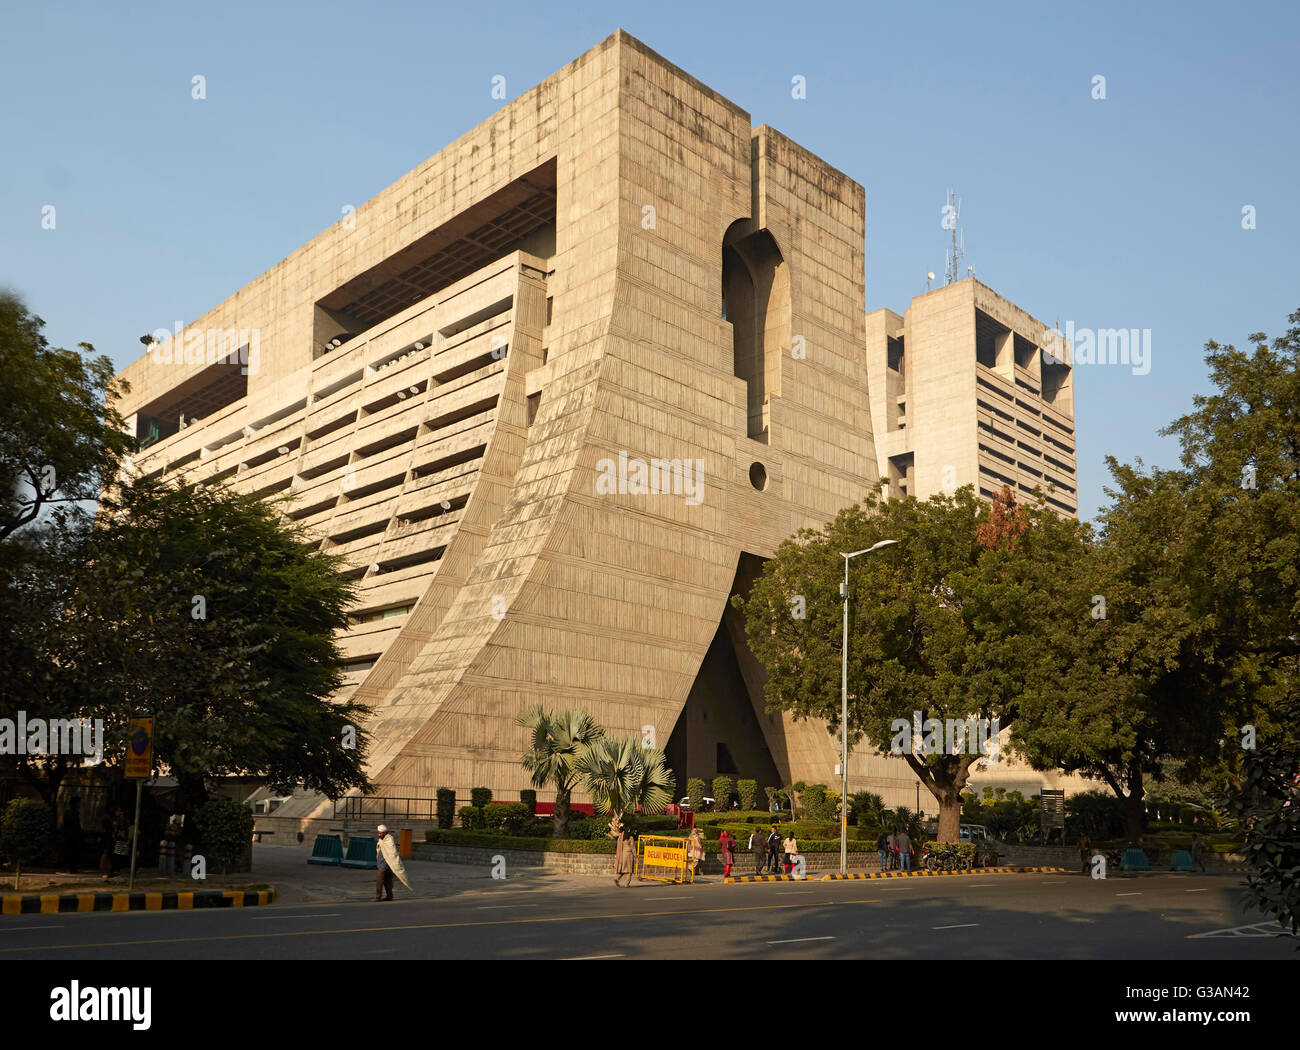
296 882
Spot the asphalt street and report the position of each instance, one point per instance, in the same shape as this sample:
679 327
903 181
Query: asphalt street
983 916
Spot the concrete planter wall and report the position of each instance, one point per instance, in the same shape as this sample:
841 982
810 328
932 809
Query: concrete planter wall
603 863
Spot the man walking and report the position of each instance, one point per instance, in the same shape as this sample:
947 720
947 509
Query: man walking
387 864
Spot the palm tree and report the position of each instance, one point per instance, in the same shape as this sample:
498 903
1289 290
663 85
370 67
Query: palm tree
622 776
556 742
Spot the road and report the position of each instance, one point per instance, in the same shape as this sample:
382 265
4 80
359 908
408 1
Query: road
995 916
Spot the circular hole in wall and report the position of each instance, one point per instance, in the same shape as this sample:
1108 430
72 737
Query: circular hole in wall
758 476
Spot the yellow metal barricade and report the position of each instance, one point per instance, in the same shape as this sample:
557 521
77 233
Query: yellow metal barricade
664 859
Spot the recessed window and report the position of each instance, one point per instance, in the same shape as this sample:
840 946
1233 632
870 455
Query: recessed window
758 476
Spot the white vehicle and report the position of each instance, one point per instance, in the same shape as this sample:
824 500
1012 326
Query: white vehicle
972 833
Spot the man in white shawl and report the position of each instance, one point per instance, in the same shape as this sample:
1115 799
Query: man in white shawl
388 863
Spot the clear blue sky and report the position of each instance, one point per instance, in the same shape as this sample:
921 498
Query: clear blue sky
1122 213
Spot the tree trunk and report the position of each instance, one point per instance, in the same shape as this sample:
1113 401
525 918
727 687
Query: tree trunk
945 780
1133 809
560 818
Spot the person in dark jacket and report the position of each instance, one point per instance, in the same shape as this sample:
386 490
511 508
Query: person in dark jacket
774 851
758 847
72 835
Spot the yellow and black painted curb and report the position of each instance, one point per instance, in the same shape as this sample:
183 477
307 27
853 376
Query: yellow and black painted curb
58 903
932 874
883 875
762 878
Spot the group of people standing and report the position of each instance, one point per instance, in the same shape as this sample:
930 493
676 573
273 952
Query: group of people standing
896 851
771 852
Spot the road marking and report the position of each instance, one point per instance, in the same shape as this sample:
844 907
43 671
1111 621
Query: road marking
1203 889
683 897
977 885
500 907
1128 894
785 893
959 926
19 929
327 915
1267 928
588 958
430 926
799 940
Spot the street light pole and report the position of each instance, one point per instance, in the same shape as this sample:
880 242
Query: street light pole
844 706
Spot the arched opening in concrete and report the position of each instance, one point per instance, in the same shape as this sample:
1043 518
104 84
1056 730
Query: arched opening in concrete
756 303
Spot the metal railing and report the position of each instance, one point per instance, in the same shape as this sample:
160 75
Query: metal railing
383 808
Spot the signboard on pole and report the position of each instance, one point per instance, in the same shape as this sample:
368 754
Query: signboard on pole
1052 811
139 749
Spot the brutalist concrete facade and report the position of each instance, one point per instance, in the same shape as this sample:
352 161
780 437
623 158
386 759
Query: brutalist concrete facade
554 395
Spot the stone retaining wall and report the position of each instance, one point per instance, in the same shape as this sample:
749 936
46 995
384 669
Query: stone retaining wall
603 863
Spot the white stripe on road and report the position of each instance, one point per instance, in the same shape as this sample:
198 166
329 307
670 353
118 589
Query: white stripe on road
797 940
327 915
1203 889
1128 895
683 897
499 907
19 929
588 958
958 926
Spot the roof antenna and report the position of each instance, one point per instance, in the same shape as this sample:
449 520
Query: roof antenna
952 221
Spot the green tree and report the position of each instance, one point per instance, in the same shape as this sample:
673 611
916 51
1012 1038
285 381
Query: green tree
201 605
622 776
61 438
748 792
25 829
555 743
226 828
1199 570
1267 802
959 621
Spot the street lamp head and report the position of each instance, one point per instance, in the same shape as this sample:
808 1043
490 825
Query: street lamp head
868 550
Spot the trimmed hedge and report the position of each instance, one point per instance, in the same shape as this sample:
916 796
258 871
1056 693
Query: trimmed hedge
509 818
471 817
529 798
446 807
480 797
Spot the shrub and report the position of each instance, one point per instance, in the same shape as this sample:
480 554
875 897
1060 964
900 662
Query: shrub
748 792
818 803
696 791
506 817
446 807
471 817
723 789
25 830
529 798
480 797
227 829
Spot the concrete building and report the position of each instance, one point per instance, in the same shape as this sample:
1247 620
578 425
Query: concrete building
543 394
962 394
